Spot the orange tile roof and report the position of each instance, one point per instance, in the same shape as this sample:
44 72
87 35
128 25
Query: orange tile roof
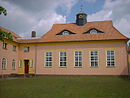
13 33
110 33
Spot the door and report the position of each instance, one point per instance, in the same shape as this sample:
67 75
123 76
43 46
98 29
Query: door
26 68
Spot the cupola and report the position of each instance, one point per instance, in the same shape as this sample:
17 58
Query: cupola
81 19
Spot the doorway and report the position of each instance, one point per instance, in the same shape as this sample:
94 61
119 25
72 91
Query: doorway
26 68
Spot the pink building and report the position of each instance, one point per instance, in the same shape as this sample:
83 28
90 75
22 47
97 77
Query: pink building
81 48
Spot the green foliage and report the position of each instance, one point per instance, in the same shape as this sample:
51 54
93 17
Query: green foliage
3 11
5 35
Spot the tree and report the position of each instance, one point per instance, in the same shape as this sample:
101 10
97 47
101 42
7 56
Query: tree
5 35
3 11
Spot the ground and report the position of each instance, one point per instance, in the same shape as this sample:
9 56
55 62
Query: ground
66 87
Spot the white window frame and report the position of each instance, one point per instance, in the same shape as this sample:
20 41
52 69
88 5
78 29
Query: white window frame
65 33
79 61
4 46
94 58
5 66
26 49
31 63
46 61
14 48
62 57
20 63
110 59
13 64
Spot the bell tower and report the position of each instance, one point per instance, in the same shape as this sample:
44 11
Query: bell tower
81 19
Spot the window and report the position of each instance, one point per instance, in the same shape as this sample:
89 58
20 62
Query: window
14 48
13 64
94 58
26 49
63 59
20 63
48 59
93 31
31 63
78 58
4 63
4 45
65 33
110 58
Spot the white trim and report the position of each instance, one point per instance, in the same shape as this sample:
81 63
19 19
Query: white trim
12 64
5 65
45 59
81 58
66 59
114 58
97 58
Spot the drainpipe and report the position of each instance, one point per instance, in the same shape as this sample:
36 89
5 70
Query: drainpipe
35 58
127 59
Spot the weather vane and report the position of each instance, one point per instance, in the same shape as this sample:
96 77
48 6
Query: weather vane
81 6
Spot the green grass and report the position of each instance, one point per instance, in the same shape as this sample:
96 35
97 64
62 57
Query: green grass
66 87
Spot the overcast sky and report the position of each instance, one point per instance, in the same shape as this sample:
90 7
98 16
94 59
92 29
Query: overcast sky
39 15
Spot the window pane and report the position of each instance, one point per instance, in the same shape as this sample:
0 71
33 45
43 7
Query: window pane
78 58
48 59
63 59
94 58
110 58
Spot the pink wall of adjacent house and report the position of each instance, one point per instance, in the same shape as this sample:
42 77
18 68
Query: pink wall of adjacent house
121 67
9 54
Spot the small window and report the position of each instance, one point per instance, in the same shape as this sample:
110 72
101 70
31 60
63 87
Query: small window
94 58
48 59
4 63
63 59
65 33
31 63
93 31
20 63
78 58
13 64
4 45
110 58
14 48
26 49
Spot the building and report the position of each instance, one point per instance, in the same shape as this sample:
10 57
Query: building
81 48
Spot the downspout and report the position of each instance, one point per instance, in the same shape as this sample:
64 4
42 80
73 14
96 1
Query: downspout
35 59
127 59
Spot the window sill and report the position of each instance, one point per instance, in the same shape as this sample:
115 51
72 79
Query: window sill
77 66
63 66
5 48
3 69
47 66
110 67
94 66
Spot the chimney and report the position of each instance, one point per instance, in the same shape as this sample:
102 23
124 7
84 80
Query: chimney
33 34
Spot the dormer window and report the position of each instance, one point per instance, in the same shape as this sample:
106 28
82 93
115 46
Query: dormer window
65 32
93 31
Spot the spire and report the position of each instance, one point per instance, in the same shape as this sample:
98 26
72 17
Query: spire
81 17
81 6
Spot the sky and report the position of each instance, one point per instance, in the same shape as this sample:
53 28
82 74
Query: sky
25 16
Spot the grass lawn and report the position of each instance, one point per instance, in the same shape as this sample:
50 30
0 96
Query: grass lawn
66 87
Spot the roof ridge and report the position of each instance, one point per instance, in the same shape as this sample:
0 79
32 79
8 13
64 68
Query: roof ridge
15 34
